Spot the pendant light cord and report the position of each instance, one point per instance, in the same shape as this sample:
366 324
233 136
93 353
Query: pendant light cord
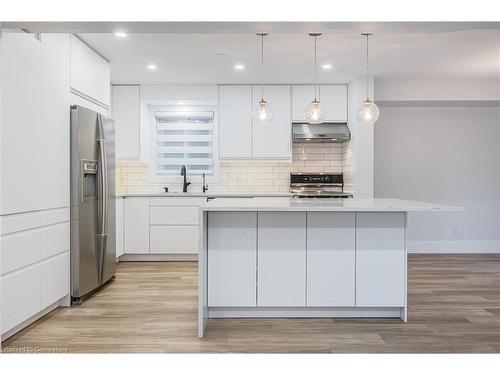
262 67
315 70
367 68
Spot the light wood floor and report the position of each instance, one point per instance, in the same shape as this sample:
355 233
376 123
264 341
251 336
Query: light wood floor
454 306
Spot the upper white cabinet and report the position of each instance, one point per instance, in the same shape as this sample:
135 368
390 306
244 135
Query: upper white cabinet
273 140
126 114
20 118
55 81
240 137
35 122
90 73
332 97
235 122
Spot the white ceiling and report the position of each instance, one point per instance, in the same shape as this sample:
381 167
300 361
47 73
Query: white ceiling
207 52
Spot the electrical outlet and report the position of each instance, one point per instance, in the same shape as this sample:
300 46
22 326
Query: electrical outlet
455 230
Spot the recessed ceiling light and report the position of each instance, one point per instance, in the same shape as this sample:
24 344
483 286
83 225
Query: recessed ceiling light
151 66
239 67
326 66
180 103
120 34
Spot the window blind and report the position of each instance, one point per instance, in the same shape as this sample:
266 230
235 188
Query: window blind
184 138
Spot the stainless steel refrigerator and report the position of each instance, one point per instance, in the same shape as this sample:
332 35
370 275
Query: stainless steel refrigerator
93 238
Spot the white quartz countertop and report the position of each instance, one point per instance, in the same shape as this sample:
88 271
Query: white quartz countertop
207 194
316 204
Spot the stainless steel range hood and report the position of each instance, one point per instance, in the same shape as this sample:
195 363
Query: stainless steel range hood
327 132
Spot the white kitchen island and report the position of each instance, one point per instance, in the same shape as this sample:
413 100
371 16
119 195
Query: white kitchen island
288 257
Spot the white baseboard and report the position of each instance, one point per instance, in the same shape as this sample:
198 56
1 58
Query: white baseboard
158 258
304 312
459 247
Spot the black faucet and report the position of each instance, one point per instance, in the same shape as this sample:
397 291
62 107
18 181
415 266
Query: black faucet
205 186
185 184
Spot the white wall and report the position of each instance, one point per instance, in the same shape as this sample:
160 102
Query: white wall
437 91
361 145
447 155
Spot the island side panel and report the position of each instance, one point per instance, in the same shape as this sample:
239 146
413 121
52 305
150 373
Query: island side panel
404 309
202 273
380 259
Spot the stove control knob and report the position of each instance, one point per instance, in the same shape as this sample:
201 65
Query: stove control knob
327 179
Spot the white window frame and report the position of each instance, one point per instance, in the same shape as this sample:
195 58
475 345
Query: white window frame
174 106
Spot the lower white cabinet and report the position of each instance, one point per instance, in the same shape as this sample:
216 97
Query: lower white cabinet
35 265
20 250
232 259
331 259
173 215
281 259
380 259
306 259
119 226
136 225
54 283
54 240
175 239
20 296
161 225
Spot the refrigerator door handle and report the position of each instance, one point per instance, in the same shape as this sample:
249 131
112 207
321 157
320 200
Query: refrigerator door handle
102 220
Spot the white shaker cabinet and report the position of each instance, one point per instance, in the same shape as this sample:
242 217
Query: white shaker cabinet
273 140
136 225
281 259
331 258
90 73
380 259
126 114
333 98
235 122
20 119
232 259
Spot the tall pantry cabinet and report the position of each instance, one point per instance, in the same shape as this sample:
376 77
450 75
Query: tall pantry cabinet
34 160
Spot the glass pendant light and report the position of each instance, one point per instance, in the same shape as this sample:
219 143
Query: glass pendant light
368 111
315 113
262 112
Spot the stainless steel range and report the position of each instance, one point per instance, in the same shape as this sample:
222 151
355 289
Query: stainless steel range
318 185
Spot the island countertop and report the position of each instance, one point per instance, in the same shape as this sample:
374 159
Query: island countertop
318 204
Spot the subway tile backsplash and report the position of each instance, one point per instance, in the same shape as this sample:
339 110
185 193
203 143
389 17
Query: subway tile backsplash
247 177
